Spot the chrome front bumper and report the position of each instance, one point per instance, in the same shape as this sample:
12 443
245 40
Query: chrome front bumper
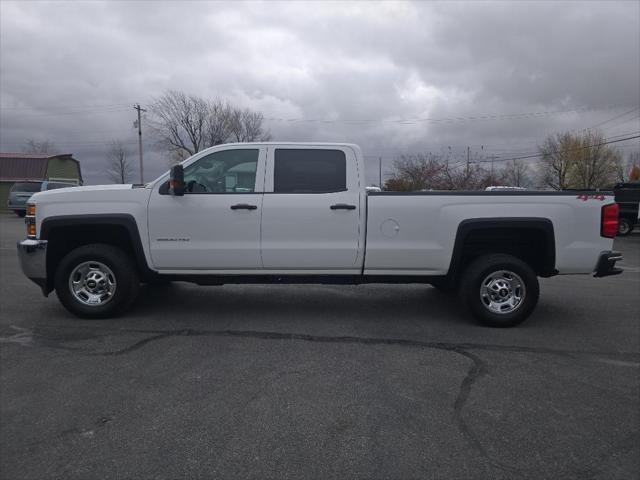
32 255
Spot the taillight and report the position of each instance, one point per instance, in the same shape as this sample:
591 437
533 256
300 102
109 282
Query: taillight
609 220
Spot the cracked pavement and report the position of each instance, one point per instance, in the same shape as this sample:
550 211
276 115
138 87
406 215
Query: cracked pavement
375 381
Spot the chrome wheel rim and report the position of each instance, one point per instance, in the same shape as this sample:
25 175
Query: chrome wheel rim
92 283
502 292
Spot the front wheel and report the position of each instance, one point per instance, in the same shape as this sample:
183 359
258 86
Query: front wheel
624 227
96 281
500 290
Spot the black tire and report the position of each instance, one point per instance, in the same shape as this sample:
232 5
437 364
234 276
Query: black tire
121 269
471 288
20 213
624 227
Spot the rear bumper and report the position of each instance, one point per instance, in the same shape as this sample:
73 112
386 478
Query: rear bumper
606 265
32 255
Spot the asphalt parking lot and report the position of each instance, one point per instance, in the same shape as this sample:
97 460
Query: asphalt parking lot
377 381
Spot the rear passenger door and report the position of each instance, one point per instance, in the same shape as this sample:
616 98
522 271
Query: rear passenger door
311 210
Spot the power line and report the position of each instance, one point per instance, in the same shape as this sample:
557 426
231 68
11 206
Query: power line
479 117
94 143
614 118
70 112
635 118
65 107
534 153
526 154
538 155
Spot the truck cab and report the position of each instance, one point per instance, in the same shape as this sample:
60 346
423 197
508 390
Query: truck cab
264 208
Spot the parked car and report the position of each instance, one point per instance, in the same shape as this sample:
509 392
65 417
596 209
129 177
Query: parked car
21 192
495 188
627 196
300 213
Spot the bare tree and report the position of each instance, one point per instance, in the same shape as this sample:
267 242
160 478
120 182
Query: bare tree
218 122
186 124
516 173
44 147
429 171
423 171
246 126
180 121
120 166
556 154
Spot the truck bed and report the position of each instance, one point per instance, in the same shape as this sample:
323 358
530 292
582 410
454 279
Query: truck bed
412 233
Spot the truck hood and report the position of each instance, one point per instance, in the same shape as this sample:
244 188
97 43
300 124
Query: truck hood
83 200
85 192
93 200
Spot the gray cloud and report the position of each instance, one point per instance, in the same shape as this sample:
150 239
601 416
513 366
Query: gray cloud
371 73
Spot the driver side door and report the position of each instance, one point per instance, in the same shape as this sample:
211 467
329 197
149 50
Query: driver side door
215 226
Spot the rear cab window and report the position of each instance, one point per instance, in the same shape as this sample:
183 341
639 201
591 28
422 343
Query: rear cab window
309 171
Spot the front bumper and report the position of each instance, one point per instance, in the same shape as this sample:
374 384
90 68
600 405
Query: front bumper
607 264
32 255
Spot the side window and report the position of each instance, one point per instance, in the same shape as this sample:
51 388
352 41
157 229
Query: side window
228 171
309 171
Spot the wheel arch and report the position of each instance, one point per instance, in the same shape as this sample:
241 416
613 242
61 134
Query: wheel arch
66 232
530 239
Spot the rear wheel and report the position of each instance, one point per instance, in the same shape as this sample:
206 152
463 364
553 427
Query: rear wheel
97 281
20 213
624 227
500 290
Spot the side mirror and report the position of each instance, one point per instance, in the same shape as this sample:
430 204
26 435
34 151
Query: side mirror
176 180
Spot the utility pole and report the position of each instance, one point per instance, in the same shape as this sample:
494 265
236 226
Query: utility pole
493 157
380 172
468 161
139 125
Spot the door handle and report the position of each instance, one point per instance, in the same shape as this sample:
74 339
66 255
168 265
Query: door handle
243 206
342 206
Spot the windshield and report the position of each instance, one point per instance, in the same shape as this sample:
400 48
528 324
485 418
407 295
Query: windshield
26 187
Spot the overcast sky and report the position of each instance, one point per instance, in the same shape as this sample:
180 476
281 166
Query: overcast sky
394 77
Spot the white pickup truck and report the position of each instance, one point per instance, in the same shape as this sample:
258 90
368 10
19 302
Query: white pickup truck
300 213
